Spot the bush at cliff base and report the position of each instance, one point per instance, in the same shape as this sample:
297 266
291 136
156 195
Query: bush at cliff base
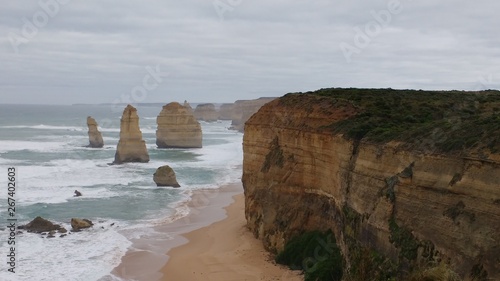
316 254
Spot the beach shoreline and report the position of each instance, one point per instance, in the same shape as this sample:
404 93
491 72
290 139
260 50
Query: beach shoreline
225 251
210 243
148 255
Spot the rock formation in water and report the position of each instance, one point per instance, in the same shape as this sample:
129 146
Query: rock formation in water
131 147
244 109
177 128
206 112
79 224
165 176
95 137
188 106
227 111
406 180
39 225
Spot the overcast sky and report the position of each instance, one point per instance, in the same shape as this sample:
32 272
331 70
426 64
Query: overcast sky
106 51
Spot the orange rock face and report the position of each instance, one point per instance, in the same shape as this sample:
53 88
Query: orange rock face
177 128
408 206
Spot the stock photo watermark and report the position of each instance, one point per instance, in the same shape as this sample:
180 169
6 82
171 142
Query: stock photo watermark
150 82
48 9
363 36
486 82
222 7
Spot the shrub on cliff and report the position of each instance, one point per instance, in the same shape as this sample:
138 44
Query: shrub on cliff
316 253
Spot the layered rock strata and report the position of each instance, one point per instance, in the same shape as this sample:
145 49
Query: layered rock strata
206 112
177 128
383 201
95 137
131 147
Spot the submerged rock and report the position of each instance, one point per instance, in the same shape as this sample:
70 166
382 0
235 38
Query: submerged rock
131 147
177 128
165 176
95 137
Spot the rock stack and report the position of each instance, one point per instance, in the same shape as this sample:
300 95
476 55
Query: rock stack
206 112
177 128
165 176
188 106
131 147
244 109
95 137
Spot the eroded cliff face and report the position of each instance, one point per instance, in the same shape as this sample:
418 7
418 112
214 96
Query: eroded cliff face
410 207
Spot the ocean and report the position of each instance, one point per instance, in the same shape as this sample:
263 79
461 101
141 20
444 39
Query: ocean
46 145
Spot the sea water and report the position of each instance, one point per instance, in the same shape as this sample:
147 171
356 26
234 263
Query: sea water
46 145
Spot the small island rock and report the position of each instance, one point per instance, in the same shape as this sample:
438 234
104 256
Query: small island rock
78 224
165 176
39 225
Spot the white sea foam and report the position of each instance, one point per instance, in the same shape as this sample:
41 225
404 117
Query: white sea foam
17 145
87 255
90 255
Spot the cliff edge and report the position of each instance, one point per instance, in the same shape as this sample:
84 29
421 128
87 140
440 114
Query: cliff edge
406 180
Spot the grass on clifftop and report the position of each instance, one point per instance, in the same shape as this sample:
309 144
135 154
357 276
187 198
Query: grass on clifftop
436 121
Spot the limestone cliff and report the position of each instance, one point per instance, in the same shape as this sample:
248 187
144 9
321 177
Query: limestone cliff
206 112
131 147
177 128
95 137
243 109
404 179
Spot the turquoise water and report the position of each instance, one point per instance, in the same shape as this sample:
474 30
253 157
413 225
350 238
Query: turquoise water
46 144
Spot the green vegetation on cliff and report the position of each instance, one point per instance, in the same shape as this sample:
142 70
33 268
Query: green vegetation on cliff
437 121
316 253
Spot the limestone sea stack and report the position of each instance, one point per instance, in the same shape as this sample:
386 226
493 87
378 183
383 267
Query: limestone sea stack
242 110
188 106
177 128
95 137
165 176
206 112
131 147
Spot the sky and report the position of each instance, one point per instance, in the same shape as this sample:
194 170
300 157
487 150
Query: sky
110 51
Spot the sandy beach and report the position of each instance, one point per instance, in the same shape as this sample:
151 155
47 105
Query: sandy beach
225 250
211 243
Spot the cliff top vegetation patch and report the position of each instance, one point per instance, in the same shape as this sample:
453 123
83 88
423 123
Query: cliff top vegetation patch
435 121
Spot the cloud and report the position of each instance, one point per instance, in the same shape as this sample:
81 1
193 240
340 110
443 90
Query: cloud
97 51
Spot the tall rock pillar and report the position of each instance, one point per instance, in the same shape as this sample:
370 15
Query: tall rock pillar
131 147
